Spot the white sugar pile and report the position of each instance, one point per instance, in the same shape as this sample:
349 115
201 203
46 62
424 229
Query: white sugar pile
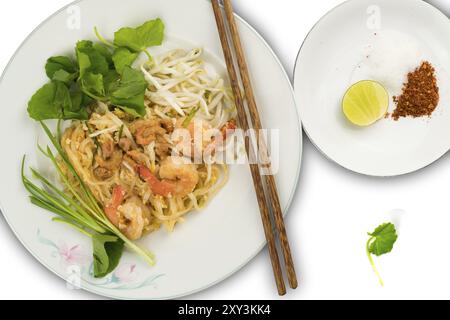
387 58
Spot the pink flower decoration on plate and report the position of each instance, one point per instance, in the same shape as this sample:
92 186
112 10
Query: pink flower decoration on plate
72 255
126 273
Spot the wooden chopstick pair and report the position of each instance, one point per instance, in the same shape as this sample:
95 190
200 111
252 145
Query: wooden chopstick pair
258 180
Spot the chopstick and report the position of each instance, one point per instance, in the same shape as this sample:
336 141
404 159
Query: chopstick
268 180
254 168
254 115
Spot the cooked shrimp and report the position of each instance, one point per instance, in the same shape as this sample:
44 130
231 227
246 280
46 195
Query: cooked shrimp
147 131
218 141
229 128
203 137
134 216
192 138
130 217
183 177
111 208
162 188
177 178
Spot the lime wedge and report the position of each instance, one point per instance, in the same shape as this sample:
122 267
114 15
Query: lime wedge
365 103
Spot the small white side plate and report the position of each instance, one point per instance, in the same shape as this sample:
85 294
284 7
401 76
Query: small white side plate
337 53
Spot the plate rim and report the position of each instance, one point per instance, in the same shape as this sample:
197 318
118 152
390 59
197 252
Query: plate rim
92 290
316 146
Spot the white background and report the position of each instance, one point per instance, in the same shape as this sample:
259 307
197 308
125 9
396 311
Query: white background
331 214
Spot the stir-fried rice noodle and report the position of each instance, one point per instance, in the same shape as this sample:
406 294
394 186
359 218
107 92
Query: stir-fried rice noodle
133 165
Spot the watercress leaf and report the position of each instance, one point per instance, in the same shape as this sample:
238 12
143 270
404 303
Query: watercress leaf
91 59
107 250
82 114
129 94
77 97
122 58
133 106
62 99
79 101
55 101
84 63
41 106
60 63
104 51
383 239
64 76
93 85
68 102
131 84
111 81
151 33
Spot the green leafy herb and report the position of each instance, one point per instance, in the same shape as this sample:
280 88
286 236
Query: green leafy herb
381 241
105 52
78 208
122 58
131 84
93 86
41 106
107 253
60 66
102 71
54 101
91 59
130 92
64 76
139 39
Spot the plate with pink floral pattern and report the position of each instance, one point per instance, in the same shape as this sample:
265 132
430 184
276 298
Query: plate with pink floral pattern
211 244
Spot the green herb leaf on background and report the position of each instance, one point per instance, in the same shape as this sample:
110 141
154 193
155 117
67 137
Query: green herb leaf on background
105 52
131 84
139 39
91 59
102 71
64 76
122 58
108 250
60 64
41 106
383 239
130 92
54 101
381 242
93 85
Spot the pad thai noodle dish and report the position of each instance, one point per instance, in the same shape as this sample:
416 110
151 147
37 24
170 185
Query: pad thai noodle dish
140 148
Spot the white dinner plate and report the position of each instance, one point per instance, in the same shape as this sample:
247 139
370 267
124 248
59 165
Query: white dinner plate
378 40
212 244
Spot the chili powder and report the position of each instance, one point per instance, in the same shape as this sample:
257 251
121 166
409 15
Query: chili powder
420 95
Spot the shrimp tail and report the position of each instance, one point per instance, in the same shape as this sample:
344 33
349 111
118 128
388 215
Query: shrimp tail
111 208
162 188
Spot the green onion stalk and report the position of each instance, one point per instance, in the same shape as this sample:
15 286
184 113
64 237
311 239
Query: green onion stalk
76 206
